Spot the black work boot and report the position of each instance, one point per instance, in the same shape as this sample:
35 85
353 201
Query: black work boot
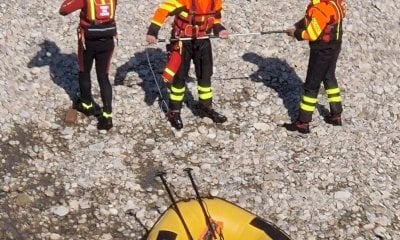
174 117
85 108
334 119
298 126
211 113
105 121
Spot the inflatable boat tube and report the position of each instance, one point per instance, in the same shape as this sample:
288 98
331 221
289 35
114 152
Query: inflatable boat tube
230 220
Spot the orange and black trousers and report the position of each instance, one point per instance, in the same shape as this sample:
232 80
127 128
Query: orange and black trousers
200 52
321 69
99 50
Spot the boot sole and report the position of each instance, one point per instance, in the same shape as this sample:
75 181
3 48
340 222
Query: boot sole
104 128
215 121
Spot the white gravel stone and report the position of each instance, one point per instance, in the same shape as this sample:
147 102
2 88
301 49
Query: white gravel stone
84 204
60 211
106 236
55 236
73 205
261 126
150 141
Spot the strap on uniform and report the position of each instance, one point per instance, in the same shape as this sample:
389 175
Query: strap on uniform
81 36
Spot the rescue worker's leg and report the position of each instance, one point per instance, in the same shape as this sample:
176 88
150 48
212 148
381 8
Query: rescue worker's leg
177 89
203 61
85 58
317 68
333 91
103 56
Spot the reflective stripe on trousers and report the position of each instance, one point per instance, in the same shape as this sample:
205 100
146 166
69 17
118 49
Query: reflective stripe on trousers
200 52
321 68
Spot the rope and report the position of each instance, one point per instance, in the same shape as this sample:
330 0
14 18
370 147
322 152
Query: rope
163 102
221 234
210 36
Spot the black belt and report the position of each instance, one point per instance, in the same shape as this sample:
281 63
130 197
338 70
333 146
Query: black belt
103 39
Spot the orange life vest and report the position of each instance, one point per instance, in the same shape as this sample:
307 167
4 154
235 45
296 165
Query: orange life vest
196 21
333 29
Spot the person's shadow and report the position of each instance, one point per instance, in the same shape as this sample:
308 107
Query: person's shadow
154 88
281 77
151 84
63 67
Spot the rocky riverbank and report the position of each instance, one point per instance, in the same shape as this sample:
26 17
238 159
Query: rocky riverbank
71 181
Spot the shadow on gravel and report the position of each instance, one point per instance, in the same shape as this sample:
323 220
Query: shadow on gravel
322 110
139 64
191 103
13 161
282 78
63 67
11 154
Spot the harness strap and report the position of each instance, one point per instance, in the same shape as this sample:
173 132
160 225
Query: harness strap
195 24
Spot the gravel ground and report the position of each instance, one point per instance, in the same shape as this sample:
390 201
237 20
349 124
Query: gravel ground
71 181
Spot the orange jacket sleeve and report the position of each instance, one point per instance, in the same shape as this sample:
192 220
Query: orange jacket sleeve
218 10
218 27
166 8
315 21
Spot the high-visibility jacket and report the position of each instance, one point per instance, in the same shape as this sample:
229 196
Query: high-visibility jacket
322 22
193 18
97 17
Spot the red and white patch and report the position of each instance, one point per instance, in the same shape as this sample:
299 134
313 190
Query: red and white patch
103 11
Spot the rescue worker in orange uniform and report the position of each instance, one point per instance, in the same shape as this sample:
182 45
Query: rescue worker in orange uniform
96 33
322 27
194 19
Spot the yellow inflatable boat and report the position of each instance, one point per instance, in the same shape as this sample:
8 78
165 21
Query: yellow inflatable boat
229 221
